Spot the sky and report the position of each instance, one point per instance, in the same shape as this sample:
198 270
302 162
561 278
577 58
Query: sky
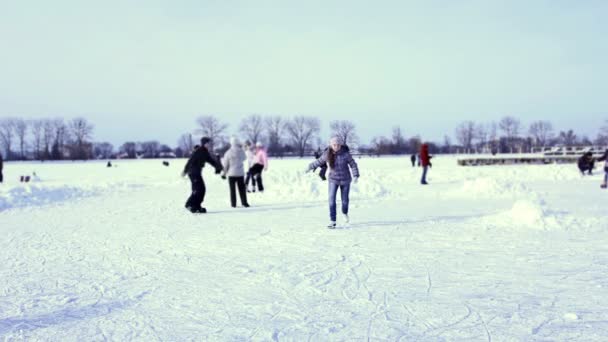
145 70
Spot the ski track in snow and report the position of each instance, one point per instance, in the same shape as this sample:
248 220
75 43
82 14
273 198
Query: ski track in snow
482 254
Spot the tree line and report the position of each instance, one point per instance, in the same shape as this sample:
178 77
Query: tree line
57 139
509 135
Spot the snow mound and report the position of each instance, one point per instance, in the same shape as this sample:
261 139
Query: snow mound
527 213
32 195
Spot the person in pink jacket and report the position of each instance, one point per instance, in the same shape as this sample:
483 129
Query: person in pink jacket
260 163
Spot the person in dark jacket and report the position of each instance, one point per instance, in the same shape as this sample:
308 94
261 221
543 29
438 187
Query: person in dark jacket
586 163
425 160
1 166
413 159
341 164
194 169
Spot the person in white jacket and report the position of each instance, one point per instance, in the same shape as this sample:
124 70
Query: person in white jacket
249 177
233 168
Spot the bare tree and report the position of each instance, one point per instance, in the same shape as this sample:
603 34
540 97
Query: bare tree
275 129
48 132
568 138
481 135
212 128
447 144
37 127
150 149
302 129
21 131
7 132
61 137
252 128
129 148
346 131
510 126
415 142
399 142
103 150
602 136
465 133
81 130
186 144
541 132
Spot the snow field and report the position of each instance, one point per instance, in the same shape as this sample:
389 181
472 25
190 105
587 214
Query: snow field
490 253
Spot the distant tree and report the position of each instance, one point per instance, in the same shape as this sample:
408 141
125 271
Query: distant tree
346 131
447 144
81 131
48 131
465 133
510 127
301 130
130 148
275 130
150 149
21 131
252 127
212 128
103 150
585 141
602 136
541 132
37 127
481 135
399 142
381 145
567 138
7 133
61 134
415 142
186 144
179 152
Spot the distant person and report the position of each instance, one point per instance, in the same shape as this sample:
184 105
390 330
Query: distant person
165 163
586 163
109 164
413 159
425 160
341 164
249 177
318 153
604 158
260 163
233 168
194 169
1 166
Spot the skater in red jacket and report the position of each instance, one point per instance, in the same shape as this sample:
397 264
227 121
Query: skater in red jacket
425 160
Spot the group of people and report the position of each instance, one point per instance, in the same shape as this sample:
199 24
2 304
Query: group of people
231 167
343 171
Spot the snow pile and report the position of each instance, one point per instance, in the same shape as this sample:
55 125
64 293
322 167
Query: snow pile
34 195
527 213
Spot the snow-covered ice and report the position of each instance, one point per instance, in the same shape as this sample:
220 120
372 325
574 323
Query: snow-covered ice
492 253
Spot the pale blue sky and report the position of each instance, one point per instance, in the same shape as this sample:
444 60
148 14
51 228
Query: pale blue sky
142 70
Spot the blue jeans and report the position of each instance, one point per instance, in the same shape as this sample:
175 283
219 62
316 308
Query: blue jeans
333 189
424 170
